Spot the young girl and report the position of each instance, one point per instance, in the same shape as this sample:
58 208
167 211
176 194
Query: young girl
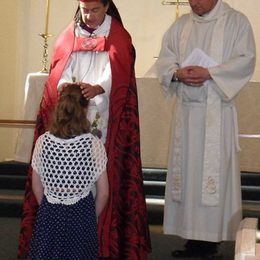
67 162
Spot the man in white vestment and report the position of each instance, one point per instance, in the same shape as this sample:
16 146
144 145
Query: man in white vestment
206 58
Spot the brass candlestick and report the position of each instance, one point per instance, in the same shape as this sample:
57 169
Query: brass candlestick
45 52
45 37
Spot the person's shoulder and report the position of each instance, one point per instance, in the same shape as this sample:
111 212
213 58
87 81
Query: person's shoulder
237 17
94 139
68 30
183 18
44 135
68 27
42 138
231 12
178 24
119 37
117 27
89 136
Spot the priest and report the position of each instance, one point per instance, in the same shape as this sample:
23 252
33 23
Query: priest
206 58
96 52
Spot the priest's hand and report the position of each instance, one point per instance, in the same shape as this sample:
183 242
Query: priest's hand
193 76
90 91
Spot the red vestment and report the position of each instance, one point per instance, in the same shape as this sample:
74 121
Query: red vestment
123 226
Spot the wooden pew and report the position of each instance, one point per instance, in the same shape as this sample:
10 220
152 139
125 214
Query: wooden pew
247 246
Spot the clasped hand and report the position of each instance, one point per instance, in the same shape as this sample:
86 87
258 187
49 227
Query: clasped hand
193 76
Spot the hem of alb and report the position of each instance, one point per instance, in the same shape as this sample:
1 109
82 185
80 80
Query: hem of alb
210 237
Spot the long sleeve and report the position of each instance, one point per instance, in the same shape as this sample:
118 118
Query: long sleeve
167 63
235 72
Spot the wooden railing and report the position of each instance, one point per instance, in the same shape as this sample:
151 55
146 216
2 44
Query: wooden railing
17 123
31 124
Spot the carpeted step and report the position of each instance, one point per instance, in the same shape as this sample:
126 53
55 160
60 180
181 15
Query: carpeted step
154 185
155 179
8 181
13 168
13 177
250 179
11 203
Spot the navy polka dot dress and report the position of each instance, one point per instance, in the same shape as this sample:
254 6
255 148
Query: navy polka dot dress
65 227
65 232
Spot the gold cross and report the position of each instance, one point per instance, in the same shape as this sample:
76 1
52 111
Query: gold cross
178 3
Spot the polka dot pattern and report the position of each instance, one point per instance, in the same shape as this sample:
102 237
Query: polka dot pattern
65 232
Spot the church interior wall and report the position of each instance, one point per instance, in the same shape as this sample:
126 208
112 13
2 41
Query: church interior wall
21 22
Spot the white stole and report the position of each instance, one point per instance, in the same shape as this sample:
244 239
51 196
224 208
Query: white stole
211 162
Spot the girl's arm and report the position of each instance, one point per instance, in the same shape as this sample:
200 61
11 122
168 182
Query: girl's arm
37 187
102 193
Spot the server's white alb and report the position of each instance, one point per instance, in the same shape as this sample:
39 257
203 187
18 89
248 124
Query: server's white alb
203 191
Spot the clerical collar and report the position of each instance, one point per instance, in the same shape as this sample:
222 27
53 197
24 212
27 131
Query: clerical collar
87 28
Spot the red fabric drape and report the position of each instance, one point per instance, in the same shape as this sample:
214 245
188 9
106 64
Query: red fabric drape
123 225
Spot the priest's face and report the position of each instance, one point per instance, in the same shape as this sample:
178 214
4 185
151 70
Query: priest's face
93 13
201 7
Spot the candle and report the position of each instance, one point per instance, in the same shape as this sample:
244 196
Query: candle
47 17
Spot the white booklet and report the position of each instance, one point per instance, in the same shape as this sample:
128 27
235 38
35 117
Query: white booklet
199 58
